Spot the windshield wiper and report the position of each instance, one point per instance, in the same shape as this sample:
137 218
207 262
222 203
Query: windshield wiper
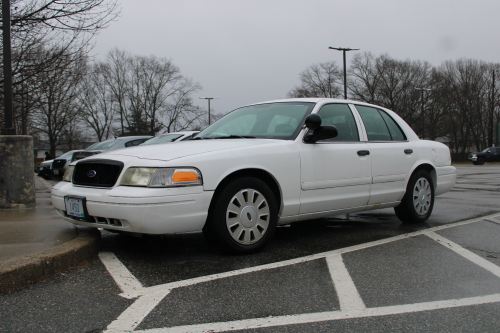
226 137
234 137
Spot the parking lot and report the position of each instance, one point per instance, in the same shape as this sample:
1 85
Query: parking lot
363 272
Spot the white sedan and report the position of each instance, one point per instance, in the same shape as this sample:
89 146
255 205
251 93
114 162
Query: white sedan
262 165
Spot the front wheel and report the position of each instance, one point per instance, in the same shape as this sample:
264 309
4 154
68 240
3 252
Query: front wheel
480 161
242 217
418 201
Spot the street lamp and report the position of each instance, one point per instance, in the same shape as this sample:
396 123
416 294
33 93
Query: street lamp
209 98
422 113
345 75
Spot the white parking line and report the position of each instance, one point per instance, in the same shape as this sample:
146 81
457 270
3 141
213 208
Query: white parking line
206 278
128 284
325 316
136 313
348 295
151 296
480 261
493 220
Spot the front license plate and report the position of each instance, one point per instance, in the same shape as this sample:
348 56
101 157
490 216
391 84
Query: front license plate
74 207
56 172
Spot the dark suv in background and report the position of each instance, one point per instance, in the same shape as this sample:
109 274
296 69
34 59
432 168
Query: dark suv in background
487 155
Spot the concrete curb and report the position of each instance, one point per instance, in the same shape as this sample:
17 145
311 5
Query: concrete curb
22 272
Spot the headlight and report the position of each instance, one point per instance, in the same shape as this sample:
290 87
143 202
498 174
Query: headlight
161 177
68 174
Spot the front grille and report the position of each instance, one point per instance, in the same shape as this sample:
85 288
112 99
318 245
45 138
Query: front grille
58 164
98 172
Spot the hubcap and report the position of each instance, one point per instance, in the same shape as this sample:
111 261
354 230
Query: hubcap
247 216
422 196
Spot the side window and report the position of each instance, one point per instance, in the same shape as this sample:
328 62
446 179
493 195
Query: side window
341 117
396 132
135 142
374 123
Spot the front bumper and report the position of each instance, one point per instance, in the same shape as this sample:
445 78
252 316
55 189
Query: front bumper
446 179
138 209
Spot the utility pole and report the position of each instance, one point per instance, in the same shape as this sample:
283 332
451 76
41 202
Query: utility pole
7 71
345 71
422 112
491 123
209 98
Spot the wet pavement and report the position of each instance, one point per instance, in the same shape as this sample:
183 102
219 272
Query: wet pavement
402 278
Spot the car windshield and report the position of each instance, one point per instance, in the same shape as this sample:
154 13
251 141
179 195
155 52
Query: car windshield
486 150
162 139
66 155
103 145
270 121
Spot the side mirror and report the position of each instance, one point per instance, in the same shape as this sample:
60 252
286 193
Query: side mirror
316 131
313 121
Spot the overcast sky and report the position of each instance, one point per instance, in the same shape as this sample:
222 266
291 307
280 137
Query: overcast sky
246 51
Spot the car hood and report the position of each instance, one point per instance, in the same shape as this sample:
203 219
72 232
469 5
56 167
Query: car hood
171 151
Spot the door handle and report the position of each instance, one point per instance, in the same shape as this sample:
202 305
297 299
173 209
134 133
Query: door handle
363 152
408 151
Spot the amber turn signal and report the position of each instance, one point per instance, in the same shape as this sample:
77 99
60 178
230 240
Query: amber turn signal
184 176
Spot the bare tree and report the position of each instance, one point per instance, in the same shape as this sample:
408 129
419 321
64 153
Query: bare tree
97 101
56 105
117 77
60 25
319 80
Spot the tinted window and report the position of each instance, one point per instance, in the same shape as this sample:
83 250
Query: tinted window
374 123
103 145
341 117
396 133
135 142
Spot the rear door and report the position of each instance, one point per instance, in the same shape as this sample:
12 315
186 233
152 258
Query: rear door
392 155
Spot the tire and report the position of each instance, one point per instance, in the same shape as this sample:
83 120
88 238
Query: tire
418 201
480 161
242 218
475 163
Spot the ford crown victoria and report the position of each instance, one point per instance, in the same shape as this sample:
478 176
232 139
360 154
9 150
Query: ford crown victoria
260 166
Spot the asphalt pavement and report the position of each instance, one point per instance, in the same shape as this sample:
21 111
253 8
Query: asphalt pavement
357 273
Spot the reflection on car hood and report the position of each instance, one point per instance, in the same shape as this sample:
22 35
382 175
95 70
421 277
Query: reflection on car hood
166 152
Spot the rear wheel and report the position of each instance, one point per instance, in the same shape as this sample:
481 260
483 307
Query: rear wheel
243 217
480 161
418 201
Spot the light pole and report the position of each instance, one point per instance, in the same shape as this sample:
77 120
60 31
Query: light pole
345 75
7 71
209 98
422 113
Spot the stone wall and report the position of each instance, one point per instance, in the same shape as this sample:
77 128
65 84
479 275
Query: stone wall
17 183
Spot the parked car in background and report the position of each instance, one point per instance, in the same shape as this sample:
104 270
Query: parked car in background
60 164
45 169
112 144
487 155
171 137
260 166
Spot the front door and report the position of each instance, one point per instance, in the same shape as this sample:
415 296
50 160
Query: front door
335 173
